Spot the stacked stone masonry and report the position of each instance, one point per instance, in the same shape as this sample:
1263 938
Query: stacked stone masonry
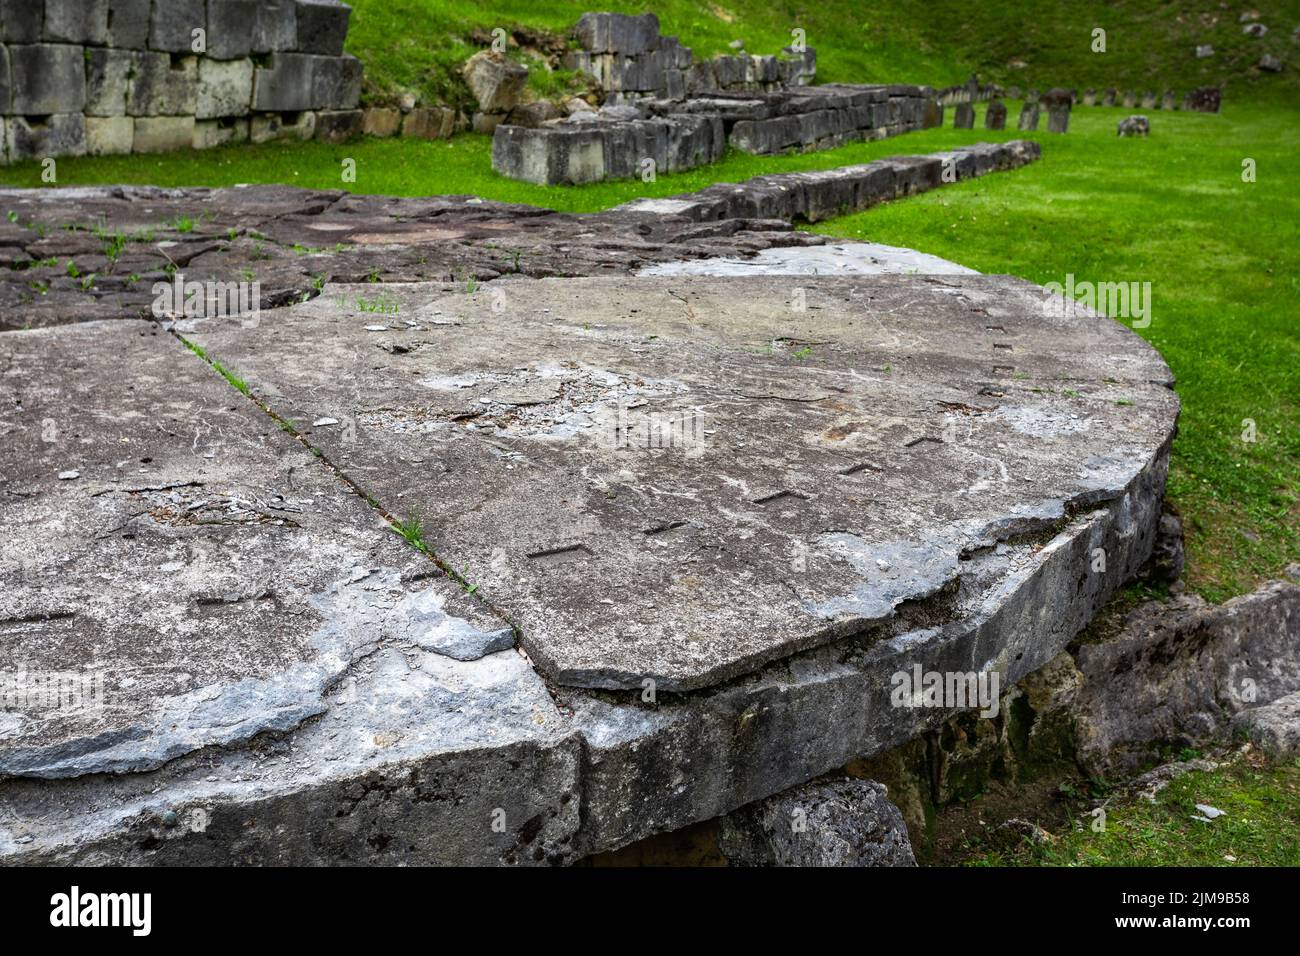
100 77
666 112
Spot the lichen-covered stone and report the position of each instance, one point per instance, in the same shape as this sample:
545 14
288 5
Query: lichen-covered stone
495 81
47 78
172 24
225 88
76 21
128 23
109 135
62 134
231 24
163 87
322 26
843 823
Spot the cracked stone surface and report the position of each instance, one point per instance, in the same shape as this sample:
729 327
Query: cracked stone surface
214 574
914 470
875 437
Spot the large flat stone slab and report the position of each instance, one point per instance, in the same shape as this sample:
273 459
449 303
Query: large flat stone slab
201 572
832 466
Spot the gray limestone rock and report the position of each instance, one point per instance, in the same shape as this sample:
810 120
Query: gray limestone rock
1176 674
322 26
618 33
496 81
128 23
275 28
76 21
1274 727
231 24
172 24
844 823
47 78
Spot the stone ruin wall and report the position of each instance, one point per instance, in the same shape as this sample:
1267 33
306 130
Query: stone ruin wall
100 77
628 59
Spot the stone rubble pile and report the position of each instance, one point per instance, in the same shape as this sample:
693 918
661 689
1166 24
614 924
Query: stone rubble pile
118 76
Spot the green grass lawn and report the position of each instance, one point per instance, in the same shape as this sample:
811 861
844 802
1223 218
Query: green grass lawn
1222 255
1260 804
419 44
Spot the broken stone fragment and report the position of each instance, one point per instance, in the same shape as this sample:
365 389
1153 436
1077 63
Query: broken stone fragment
1275 727
845 823
1134 126
496 81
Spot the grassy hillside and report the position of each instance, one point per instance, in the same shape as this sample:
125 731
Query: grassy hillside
419 44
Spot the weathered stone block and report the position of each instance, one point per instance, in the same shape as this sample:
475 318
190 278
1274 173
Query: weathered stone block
644 74
1108 98
230 28
109 135
225 88
1169 101
220 132
845 823
272 126
1058 119
995 117
437 122
1274 727
533 114
47 78
285 85
108 79
172 24
496 81
128 24
162 86
322 26
701 78
964 116
275 28
378 121
1129 100
335 82
1089 97
338 126
558 154
62 134
158 134
4 84
76 21
618 33
21 21
1028 117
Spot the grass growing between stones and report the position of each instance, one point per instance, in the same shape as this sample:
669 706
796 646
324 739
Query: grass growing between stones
1260 804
